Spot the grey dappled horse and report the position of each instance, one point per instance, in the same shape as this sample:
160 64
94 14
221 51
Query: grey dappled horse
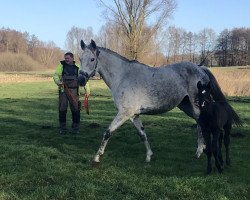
139 89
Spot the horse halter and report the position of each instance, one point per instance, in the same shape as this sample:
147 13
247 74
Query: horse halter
94 71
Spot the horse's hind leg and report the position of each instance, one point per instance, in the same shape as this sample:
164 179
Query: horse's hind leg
227 129
138 124
116 123
220 148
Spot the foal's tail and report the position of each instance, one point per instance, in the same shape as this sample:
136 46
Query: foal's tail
218 95
236 119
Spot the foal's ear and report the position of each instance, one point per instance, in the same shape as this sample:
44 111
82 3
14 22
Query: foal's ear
92 44
199 85
83 45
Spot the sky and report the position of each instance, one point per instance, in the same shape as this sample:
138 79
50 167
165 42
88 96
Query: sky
50 20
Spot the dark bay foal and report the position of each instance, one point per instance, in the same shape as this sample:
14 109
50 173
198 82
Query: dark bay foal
214 118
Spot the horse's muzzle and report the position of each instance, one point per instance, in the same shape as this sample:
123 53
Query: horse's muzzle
82 78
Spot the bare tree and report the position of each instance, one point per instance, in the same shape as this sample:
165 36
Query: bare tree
233 47
223 47
174 44
207 43
133 16
74 37
111 36
191 46
48 54
239 46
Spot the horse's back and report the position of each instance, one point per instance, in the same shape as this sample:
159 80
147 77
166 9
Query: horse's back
156 90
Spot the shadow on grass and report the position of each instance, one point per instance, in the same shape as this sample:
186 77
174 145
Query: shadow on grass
171 135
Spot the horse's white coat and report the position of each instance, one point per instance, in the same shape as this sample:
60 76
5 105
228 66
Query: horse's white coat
140 89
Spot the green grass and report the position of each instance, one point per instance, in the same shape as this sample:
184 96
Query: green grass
38 163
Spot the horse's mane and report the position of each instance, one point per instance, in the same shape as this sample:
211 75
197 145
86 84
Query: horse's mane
120 56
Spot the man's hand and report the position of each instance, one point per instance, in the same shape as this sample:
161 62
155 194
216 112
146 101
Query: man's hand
60 84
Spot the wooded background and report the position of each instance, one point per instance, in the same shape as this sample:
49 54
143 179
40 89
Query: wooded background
136 30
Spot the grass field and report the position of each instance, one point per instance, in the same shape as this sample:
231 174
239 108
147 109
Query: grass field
38 163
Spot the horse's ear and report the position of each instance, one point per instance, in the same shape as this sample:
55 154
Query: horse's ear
83 45
92 44
199 85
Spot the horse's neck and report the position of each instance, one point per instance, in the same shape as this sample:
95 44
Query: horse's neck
111 69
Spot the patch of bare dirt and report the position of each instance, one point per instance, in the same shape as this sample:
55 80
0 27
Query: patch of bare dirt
22 78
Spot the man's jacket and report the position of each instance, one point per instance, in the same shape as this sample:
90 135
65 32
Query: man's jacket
64 70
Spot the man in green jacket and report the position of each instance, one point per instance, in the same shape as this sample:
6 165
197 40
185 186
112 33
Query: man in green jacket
66 77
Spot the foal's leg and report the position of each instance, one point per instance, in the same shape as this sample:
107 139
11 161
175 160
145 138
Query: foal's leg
116 123
138 124
227 129
215 149
208 151
220 148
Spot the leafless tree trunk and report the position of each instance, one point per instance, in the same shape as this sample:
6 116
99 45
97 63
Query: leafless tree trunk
133 16
207 43
74 37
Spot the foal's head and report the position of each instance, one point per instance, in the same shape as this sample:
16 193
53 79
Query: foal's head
204 95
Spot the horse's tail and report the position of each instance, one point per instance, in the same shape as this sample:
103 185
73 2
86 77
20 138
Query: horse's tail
236 119
218 95
216 92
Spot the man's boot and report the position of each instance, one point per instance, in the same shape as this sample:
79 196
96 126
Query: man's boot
62 122
62 128
75 128
75 122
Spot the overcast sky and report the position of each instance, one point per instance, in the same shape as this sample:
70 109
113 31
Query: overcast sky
50 20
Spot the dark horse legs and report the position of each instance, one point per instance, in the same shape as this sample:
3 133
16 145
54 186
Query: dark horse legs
208 151
227 129
212 148
215 149
220 148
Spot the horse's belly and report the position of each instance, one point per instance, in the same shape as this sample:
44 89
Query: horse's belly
157 108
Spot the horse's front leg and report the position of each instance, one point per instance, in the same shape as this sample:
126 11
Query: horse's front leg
116 123
138 124
215 148
200 141
208 150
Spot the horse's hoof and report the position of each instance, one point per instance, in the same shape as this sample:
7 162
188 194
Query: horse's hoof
198 153
148 159
95 164
209 171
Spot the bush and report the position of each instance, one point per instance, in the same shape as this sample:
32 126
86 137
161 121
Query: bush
18 62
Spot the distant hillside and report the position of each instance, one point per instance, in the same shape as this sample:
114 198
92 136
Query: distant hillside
18 62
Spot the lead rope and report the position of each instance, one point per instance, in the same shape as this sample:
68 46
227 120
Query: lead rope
69 94
86 103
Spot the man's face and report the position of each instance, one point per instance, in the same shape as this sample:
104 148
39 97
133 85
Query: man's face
68 59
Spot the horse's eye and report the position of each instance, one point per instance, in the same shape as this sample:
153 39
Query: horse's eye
92 59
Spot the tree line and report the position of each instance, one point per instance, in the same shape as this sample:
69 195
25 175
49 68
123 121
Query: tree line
229 48
136 29
45 53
